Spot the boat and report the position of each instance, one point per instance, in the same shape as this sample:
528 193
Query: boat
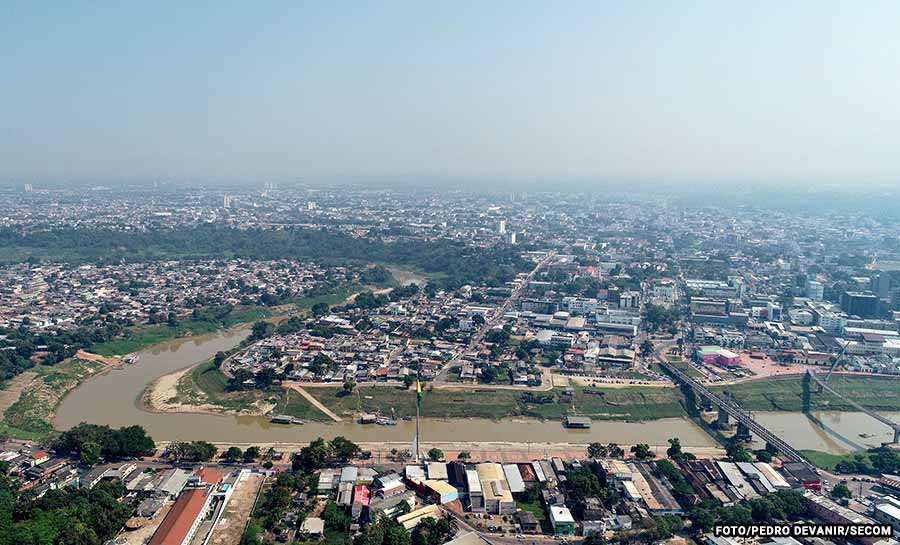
381 421
132 359
285 419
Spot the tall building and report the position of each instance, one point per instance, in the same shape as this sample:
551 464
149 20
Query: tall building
502 228
512 237
858 303
311 205
28 188
227 201
881 285
815 290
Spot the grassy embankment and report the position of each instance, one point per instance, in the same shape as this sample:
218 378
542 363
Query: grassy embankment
614 404
827 461
786 394
139 337
206 385
29 417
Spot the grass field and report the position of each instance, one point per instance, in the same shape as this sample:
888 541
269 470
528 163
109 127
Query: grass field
623 403
537 509
786 394
205 384
827 461
294 404
331 299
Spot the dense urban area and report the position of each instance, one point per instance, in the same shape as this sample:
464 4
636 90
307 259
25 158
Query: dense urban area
348 317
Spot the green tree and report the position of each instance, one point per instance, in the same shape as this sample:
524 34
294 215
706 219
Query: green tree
666 526
320 309
251 454
261 330
219 359
344 449
435 454
841 491
313 456
597 450
642 451
233 454
90 453
349 386
464 455
674 450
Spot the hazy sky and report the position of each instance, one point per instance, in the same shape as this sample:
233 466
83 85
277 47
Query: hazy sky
666 90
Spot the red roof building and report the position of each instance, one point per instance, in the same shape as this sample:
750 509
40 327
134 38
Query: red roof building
178 526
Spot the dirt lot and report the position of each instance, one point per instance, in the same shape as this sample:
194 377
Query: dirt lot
230 527
14 388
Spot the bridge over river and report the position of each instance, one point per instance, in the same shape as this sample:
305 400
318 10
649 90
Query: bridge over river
823 385
728 408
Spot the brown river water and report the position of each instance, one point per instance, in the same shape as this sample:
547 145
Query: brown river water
112 398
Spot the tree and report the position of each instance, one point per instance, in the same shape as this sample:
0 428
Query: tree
597 450
435 454
251 454
841 491
172 320
464 455
219 359
674 450
666 526
261 330
642 451
313 456
343 449
408 381
320 309
90 453
646 348
488 374
348 386
265 377
233 454
736 451
615 451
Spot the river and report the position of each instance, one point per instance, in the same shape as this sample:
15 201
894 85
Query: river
112 398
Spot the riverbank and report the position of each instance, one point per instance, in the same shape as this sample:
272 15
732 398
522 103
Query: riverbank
204 387
201 388
146 336
38 395
785 393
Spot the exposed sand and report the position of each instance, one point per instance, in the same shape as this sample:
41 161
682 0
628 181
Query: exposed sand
162 396
81 354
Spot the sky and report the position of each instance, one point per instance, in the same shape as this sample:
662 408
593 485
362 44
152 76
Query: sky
774 92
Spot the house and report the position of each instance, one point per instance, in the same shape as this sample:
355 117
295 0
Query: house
562 520
313 526
38 457
528 523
